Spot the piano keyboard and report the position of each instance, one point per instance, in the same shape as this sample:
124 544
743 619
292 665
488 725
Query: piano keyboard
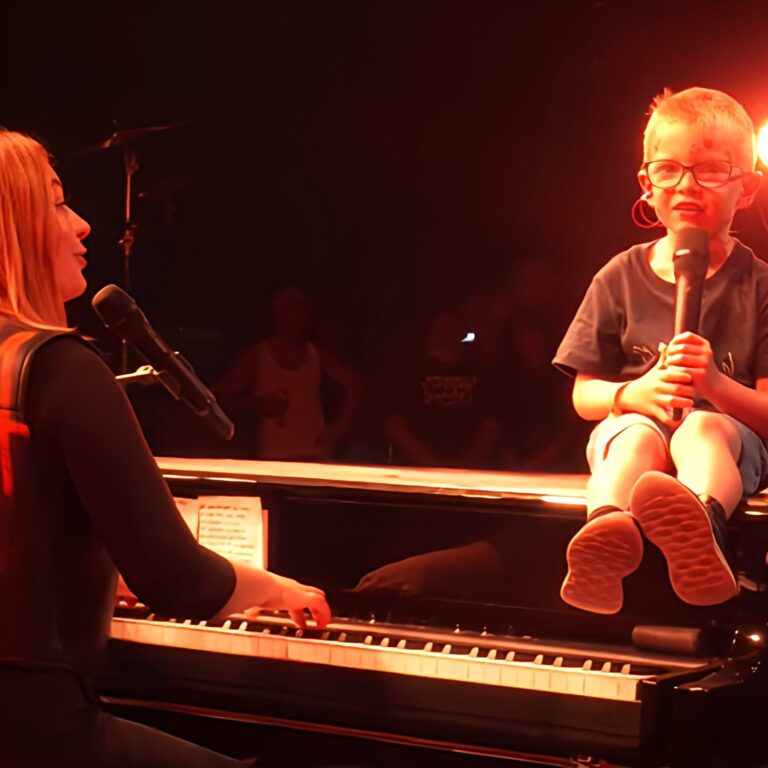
470 658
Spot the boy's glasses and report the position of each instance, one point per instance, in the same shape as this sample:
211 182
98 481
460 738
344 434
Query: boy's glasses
666 174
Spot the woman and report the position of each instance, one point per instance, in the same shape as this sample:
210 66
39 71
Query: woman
81 494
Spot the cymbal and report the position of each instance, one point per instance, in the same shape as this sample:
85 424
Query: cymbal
124 136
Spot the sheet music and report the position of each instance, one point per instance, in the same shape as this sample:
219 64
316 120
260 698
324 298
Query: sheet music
235 527
189 509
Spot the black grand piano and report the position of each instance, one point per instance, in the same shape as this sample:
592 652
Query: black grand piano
449 644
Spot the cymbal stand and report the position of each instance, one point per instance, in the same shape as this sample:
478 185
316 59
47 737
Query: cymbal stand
126 242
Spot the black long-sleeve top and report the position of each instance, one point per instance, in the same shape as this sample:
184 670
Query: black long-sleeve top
87 497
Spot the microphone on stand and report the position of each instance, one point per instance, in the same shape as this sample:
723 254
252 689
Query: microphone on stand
690 261
120 313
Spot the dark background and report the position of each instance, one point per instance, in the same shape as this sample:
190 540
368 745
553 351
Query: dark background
393 157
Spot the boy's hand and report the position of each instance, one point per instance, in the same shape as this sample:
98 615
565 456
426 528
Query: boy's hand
658 391
692 354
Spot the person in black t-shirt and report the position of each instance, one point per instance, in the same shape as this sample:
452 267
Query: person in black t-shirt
678 479
442 413
81 494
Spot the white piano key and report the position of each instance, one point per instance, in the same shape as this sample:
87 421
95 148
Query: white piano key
475 671
491 672
413 664
345 656
367 658
627 690
576 683
277 647
542 679
452 669
509 675
525 677
429 666
210 641
558 679
299 651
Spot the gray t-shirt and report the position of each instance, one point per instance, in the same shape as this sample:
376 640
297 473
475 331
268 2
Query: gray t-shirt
628 310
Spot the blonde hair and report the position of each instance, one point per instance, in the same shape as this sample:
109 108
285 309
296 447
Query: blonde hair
707 108
28 289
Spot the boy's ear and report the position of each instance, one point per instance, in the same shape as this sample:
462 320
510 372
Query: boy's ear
750 184
645 185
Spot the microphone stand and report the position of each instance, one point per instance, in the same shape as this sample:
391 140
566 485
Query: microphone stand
144 374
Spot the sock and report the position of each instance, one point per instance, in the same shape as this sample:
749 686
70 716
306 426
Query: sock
606 509
719 522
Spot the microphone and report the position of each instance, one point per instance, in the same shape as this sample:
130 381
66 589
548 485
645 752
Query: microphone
690 261
120 313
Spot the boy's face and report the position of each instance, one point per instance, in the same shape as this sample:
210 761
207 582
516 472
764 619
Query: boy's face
688 204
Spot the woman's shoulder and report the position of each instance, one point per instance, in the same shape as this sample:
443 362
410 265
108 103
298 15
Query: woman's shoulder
63 358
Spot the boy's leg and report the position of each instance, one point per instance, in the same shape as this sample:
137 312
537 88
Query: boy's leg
685 517
609 547
635 450
705 450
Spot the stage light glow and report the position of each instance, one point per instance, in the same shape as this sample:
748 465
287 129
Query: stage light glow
469 338
762 144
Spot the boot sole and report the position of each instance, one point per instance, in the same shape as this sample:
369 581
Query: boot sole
599 556
673 518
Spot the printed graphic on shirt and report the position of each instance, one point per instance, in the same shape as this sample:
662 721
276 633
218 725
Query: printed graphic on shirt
644 354
449 391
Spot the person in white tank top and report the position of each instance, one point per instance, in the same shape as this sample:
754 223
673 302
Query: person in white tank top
278 379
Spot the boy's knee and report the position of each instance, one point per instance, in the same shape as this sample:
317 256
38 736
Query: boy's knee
640 439
701 423
703 426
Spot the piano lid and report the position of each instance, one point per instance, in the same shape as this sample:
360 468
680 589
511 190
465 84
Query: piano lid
551 488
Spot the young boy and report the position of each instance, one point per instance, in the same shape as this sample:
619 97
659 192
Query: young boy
676 480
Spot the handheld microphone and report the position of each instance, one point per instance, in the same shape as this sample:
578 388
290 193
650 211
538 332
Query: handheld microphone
690 261
120 313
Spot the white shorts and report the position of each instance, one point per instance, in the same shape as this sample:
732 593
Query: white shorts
753 459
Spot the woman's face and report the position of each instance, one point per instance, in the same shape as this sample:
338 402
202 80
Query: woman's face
68 250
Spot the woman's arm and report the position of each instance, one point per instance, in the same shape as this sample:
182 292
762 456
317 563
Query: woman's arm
76 409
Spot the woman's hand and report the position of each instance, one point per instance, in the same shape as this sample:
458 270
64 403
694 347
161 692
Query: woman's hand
290 595
406 577
692 354
658 391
